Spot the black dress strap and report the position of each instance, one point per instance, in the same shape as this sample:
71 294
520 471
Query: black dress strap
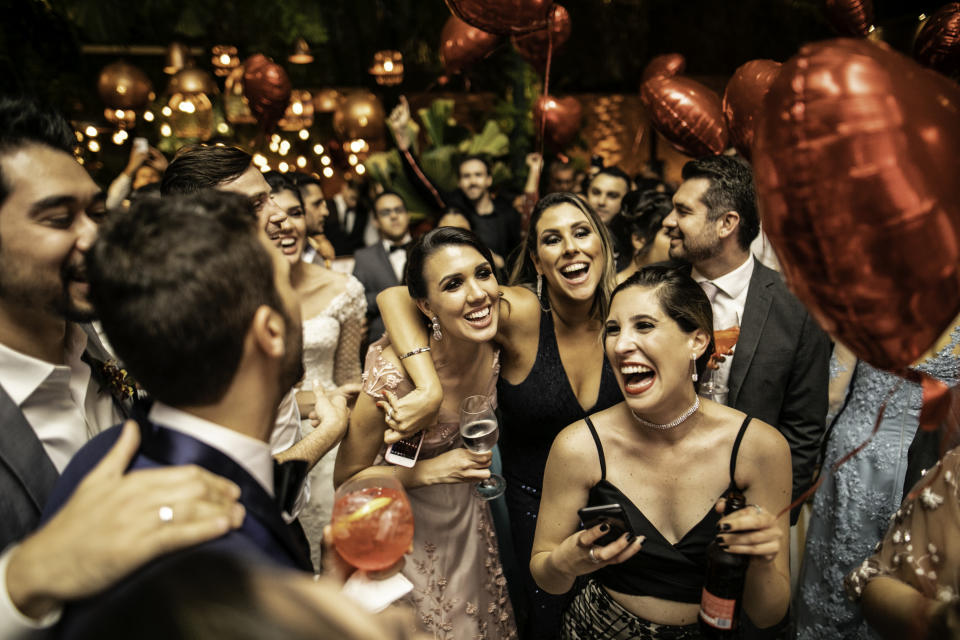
596 438
736 449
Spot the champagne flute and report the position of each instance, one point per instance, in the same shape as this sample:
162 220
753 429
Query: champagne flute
479 430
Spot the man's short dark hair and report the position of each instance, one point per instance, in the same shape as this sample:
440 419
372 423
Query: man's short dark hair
387 192
204 167
474 156
25 121
615 172
176 283
282 182
731 189
303 179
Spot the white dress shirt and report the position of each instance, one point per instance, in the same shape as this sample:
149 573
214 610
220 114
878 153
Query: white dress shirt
248 452
398 259
728 296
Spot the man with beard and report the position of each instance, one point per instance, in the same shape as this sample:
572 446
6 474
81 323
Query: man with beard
193 274
54 396
493 219
779 370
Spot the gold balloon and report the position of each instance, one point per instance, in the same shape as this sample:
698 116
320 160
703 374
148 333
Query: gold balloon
192 115
124 86
192 81
359 115
326 100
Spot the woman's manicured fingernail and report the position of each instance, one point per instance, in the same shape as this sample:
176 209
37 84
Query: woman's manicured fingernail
725 526
631 537
719 539
604 527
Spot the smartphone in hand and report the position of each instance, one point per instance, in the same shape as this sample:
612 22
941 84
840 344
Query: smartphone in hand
611 514
140 145
405 452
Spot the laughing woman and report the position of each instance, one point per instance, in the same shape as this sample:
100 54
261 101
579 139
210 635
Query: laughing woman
459 591
553 368
666 457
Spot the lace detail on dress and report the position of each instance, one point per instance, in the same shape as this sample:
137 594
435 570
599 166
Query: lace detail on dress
331 339
434 606
499 608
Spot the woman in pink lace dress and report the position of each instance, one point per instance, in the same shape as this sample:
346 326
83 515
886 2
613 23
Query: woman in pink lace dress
460 591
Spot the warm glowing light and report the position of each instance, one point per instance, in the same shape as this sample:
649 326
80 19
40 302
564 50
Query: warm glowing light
148 116
121 114
283 167
264 167
275 138
79 136
301 162
223 127
91 131
352 158
165 130
328 172
274 146
167 111
187 107
284 148
297 108
224 59
318 149
93 145
388 65
304 134
325 161
361 169
259 159
119 137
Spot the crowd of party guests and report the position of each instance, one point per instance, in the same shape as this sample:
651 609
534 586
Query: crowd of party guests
192 361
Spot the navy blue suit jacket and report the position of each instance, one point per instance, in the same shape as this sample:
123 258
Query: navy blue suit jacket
263 535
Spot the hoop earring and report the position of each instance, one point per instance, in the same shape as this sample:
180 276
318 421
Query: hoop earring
435 325
540 293
693 361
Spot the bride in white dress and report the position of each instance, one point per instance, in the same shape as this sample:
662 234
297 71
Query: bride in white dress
333 309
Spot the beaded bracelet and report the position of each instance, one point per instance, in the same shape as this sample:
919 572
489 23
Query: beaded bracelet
415 352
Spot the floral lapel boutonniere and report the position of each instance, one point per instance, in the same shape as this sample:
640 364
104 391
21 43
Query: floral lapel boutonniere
118 381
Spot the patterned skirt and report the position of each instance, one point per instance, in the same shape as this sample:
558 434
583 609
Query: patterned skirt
594 615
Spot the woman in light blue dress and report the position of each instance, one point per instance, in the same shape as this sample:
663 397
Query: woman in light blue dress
852 508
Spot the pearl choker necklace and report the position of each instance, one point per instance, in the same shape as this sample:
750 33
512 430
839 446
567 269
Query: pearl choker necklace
670 425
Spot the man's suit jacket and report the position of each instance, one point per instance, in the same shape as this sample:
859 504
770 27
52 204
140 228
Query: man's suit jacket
372 267
27 475
263 536
345 243
780 370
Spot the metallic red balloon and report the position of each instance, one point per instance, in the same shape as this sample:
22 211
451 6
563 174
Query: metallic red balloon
687 114
461 45
562 120
743 100
938 42
267 89
666 65
855 162
533 46
850 17
503 17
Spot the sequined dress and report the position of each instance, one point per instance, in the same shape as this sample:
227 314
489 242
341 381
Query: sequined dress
852 509
460 592
331 347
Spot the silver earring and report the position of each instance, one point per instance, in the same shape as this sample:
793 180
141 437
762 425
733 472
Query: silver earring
435 325
693 359
540 292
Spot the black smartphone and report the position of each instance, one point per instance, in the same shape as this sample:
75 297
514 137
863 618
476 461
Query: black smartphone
611 514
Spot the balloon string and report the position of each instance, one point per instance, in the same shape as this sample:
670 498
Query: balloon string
546 93
836 465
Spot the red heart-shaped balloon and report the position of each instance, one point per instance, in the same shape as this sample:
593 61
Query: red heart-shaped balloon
687 114
533 46
938 42
267 89
855 162
562 119
461 45
666 65
850 17
503 17
743 101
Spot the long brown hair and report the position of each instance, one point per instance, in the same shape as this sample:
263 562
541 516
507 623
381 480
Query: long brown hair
524 272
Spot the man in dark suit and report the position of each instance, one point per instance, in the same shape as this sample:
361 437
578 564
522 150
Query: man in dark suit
54 394
347 221
380 266
780 365
224 346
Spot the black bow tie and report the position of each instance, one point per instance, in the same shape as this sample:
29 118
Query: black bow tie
399 247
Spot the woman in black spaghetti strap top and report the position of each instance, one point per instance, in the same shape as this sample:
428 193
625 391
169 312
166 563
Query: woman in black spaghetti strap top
666 457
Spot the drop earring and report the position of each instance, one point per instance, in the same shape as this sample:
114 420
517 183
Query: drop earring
540 292
693 360
435 325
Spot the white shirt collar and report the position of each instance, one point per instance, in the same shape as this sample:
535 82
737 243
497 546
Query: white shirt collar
23 374
389 243
251 454
732 283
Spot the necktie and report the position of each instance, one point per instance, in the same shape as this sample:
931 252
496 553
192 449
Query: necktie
711 290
